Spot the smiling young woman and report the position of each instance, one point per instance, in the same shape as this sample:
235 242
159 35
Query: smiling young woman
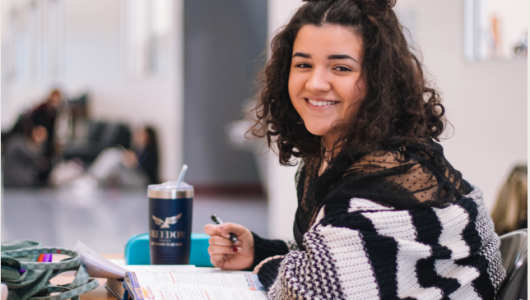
381 212
325 78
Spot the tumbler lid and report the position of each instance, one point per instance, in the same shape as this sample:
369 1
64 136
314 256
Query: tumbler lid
170 190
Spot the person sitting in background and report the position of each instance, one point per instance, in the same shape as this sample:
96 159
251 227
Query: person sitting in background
137 166
145 151
23 158
511 208
46 114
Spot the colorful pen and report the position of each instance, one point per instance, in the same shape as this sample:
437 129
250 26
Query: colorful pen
218 221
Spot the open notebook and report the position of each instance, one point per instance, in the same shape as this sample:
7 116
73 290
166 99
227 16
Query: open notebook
170 282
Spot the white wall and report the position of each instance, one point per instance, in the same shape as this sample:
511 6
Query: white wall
486 102
281 192
94 62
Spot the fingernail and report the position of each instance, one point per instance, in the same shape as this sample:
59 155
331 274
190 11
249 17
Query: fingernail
235 249
222 227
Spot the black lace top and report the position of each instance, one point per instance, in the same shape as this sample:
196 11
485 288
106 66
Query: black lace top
416 175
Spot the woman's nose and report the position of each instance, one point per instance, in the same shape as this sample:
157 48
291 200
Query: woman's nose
318 81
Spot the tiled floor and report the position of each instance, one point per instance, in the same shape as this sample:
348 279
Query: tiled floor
105 219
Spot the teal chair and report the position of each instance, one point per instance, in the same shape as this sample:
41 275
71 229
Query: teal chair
137 250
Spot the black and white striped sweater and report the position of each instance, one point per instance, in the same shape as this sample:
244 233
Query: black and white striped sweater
359 249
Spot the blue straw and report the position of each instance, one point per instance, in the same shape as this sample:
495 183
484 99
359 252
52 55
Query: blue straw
182 173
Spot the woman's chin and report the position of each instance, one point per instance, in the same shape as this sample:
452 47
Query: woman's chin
318 131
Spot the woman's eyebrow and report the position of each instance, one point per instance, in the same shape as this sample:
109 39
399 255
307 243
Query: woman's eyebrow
342 56
333 56
304 55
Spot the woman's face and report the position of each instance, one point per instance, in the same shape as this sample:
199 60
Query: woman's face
324 81
140 138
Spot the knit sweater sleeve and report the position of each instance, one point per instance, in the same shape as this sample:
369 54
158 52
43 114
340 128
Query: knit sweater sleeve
269 271
264 248
359 249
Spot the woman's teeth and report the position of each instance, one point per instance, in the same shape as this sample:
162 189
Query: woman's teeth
321 103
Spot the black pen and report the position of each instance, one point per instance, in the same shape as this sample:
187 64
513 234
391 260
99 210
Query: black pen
218 221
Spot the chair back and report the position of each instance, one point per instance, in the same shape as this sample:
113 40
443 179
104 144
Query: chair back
514 252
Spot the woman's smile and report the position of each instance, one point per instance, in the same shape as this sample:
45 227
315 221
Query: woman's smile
325 84
320 102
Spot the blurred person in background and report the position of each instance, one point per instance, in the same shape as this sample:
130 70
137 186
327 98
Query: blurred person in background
510 212
145 150
47 114
24 157
137 166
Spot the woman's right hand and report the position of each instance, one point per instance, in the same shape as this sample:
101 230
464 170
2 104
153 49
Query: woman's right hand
226 255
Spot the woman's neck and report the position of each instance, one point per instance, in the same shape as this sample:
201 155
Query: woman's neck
323 165
329 153
328 141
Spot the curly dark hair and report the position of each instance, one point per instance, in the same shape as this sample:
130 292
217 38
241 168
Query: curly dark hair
399 106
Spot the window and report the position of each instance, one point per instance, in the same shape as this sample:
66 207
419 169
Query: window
147 25
14 47
54 37
34 47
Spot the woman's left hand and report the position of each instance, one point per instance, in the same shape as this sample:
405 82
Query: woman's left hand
266 260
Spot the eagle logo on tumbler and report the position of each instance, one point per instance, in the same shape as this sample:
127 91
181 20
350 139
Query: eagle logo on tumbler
168 221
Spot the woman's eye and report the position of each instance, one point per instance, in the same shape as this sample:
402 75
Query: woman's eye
343 69
303 66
